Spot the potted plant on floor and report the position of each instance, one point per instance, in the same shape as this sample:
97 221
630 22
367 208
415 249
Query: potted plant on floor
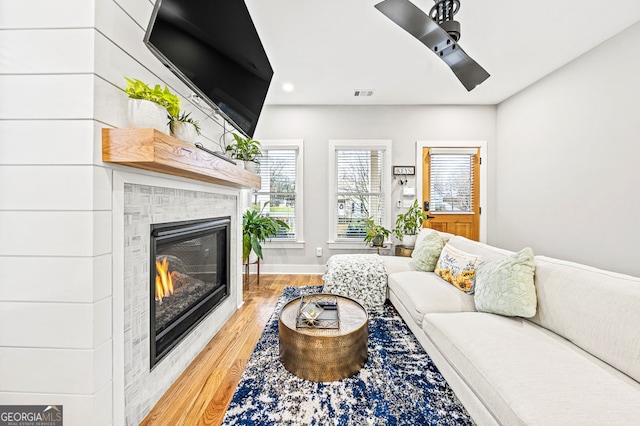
184 127
375 233
256 228
148 107
244 150
408 224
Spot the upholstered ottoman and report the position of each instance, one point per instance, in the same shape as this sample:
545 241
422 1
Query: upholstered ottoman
361 277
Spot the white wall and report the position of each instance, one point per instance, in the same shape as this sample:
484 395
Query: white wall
316 125
567 161
62 69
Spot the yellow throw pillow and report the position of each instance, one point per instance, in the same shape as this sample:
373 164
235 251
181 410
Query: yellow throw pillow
458 268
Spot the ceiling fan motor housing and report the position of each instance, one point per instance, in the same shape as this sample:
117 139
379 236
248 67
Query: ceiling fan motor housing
443 12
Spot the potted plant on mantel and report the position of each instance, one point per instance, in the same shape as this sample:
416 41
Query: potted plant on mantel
256 228
408 224
148 107
184 127
245 151
375 234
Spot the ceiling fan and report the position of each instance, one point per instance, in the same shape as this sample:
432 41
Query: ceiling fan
439 32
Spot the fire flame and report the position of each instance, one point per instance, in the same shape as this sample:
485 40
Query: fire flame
164 283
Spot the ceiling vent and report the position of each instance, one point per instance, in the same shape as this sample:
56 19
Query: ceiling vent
363 93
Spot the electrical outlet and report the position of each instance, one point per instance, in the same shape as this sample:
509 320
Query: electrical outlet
319 251
399 204
407 203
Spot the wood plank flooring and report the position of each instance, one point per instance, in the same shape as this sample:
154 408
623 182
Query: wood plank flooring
202 393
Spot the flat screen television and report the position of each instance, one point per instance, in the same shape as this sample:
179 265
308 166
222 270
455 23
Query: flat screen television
213 46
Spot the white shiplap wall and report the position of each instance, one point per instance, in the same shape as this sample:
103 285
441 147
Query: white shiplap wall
61 72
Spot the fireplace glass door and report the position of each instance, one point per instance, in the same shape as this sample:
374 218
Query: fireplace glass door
189 278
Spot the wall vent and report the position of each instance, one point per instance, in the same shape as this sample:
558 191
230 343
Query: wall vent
362 92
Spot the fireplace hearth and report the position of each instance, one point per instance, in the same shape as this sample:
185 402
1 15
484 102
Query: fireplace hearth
189 278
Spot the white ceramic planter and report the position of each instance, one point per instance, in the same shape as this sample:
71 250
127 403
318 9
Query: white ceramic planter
250 166
409 240
239 163
186 132
146 114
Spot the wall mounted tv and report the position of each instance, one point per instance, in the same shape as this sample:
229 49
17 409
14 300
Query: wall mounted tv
213 46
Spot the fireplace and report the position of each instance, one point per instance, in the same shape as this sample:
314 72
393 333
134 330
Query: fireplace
189 278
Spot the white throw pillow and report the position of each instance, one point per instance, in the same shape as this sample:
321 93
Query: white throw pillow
506 286
458 268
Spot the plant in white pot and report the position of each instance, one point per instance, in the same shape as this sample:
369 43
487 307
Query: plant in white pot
245 150
408 224
184 127
148 107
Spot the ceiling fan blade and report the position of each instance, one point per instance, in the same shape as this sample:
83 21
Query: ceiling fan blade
417 23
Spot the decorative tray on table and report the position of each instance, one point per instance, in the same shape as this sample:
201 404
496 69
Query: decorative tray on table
318 311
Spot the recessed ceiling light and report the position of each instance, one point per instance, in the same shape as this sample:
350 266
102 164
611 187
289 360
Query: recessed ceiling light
287 87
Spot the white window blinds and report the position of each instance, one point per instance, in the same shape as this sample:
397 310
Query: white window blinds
452 172
277 169
359 191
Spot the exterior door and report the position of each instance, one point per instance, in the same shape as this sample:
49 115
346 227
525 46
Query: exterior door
451 190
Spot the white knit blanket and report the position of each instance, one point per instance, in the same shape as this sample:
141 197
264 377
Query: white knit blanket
361 277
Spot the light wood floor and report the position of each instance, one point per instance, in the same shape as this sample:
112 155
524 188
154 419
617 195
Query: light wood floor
202 393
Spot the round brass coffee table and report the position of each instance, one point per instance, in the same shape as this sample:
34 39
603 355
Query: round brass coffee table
324 354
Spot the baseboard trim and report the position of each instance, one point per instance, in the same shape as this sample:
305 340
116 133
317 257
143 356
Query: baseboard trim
270 268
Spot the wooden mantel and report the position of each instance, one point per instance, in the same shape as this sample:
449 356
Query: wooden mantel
151 149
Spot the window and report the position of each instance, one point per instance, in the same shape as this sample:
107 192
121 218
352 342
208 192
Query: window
281 171
452 180
360 187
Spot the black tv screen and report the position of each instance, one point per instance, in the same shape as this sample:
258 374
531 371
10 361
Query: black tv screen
213 46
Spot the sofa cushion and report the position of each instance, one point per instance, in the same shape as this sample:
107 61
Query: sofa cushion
395 264
595 309
528 375
424 292
458 268
486 252
506 286
426 254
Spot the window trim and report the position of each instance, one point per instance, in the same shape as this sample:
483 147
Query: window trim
298 144
484 155
372 144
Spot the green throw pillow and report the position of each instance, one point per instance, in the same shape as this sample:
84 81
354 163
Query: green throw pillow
425 255
506 286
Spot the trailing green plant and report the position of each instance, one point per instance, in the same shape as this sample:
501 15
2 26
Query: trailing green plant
137 89
256 228
375 233
244 149
410 222
184 117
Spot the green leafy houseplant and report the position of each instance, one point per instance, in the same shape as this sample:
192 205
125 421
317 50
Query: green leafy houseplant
375 234
137 89
410 222
256 228
244 149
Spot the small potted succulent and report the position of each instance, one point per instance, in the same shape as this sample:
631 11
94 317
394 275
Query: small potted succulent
184 127
244 150
408 224
375 233
148 107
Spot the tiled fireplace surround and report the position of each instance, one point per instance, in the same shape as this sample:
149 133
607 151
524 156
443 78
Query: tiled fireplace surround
140 200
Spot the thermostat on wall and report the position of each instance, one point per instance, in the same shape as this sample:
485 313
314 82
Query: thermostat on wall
409 191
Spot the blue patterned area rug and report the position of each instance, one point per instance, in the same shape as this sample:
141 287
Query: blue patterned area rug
399 385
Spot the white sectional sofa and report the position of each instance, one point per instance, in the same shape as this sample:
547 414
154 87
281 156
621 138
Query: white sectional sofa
576 362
